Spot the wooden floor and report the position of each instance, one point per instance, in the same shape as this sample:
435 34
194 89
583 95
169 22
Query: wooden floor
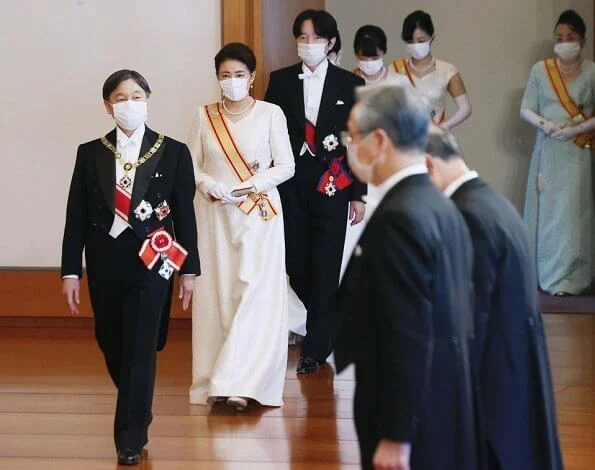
56 408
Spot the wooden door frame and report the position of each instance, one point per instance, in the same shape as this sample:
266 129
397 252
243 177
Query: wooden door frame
241 21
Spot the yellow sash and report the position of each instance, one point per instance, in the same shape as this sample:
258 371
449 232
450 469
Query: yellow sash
575 113
240 167
400 66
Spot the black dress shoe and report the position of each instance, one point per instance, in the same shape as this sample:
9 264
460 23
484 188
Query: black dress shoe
128 457
308 365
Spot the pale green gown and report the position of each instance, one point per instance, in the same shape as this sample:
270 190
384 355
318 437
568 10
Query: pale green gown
559 198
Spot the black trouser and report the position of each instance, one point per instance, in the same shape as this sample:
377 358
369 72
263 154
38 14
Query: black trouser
315 227
128 302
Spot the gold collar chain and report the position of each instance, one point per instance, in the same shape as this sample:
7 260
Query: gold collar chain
127 165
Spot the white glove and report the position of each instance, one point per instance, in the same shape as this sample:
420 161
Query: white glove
219 190
566 133
547 127
229 199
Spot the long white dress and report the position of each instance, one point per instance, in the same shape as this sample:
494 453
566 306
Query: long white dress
239 310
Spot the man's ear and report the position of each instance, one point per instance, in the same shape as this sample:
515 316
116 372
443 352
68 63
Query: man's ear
108 107
430 164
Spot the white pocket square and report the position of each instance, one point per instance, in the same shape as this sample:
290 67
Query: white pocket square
339 102
358 251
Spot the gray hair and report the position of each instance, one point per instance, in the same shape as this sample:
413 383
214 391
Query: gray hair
400 111
443 145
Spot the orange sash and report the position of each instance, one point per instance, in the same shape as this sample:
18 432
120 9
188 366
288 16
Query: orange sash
400 66
239 165
574 111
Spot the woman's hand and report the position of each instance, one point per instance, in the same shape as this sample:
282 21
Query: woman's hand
219 190
566 133
229 199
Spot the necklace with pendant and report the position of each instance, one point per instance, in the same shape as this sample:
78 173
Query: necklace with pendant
126 182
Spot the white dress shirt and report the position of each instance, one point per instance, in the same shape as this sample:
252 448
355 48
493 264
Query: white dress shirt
313 87
376 193
129 147
460 181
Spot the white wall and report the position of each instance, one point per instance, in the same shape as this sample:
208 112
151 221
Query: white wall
493 44
55 57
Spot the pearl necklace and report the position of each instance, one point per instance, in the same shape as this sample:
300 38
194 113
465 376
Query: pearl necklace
568 70
422 69
240 112
382 76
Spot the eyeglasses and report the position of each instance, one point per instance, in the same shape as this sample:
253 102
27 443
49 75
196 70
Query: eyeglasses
347 140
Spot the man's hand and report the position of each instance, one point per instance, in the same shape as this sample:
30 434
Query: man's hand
392 455
357 210
186 289
71 288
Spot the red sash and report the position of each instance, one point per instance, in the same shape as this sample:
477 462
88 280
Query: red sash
122 202
311 137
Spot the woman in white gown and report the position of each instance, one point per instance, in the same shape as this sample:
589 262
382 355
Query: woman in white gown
239 317
433 78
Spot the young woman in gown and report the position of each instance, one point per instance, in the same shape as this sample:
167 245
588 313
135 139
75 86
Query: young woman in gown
559 101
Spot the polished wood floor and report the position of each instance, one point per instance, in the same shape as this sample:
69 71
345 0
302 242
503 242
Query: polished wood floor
56 406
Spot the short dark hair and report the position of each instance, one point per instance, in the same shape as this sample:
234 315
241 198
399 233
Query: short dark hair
324 23
418 19
443 145
368 40
114 80
337 47
236 51
574 21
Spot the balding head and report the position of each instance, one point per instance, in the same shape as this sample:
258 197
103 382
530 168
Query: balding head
444 160
442 144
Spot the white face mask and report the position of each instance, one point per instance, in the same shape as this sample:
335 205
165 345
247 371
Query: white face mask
418 50
312 54
568 50
234 89
130 115
364 171
370 67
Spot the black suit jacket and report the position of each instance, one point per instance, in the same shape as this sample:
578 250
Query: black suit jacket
286 90
511 351
405 318
168 176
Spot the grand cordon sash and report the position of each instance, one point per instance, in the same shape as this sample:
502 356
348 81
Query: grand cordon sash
400 66
575 112
239 165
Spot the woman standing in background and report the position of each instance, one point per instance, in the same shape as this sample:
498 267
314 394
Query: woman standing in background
432 77
370 49
559 101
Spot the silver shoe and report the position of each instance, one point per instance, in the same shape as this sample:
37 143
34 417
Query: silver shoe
238 403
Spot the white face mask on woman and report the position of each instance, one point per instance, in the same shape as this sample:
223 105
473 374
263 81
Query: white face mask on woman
234 89
130 115
568 50
370 67
312 54
419 50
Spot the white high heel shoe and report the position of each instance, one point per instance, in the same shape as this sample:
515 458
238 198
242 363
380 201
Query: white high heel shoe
238 403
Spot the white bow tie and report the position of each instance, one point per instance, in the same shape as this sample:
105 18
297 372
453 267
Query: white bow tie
309 74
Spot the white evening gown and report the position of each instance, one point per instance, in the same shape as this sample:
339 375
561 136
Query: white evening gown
239 310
